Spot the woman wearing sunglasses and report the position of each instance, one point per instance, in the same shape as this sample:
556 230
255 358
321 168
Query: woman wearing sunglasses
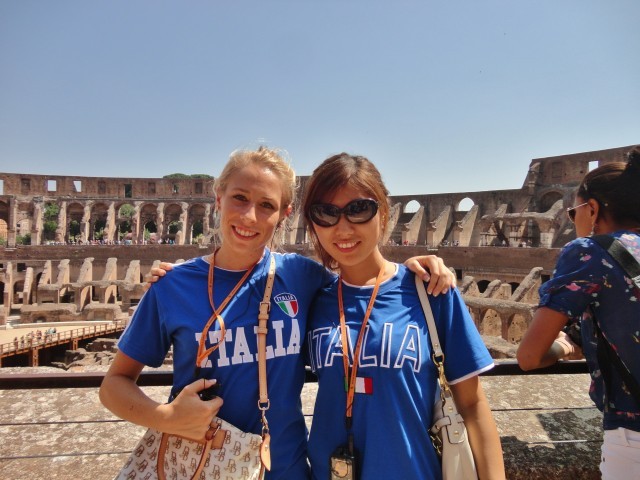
375 398
254 196
590 287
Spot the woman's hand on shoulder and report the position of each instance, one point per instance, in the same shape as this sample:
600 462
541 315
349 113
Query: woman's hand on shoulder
156 273
432 269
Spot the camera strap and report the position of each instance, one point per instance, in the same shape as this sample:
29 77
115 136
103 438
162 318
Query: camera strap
350 374
216 315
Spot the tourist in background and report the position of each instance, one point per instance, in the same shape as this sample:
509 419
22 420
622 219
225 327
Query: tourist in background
590 287
391 402
254 197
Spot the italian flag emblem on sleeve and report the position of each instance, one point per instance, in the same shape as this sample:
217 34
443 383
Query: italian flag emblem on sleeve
288 303
363 385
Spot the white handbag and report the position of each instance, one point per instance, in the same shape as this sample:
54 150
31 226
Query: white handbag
448 433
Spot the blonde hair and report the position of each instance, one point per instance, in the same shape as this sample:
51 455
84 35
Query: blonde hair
272 160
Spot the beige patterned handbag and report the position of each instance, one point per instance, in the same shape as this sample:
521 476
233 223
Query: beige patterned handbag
228 454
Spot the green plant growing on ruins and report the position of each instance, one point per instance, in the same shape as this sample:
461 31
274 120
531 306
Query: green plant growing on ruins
74 230
23 239
127 210
51 211
175 227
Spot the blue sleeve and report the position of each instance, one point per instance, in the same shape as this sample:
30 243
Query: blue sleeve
465 352
581 271
146 338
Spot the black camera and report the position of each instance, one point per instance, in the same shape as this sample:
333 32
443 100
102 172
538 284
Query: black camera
342 465
206 394
209 393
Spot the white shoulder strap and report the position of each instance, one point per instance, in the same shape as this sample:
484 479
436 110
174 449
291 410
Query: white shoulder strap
428 314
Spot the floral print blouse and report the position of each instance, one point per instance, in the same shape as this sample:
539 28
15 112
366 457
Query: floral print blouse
588 285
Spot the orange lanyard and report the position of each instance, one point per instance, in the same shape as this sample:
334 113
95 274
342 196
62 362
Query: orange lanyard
202 353
350 377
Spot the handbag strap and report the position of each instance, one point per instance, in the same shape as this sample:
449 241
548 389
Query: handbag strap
438 354
451 420
621 255
263 399
263 328
606 353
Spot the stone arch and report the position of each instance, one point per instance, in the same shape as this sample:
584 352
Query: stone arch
125 220
23 227
196 222
18 287
172 221
98 221
482 285
411 207
75 213
4 221
148 220
547 200
465 205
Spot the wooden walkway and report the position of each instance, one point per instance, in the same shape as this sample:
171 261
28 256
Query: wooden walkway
27 341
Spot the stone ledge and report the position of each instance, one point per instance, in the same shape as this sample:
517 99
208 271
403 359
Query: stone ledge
548 428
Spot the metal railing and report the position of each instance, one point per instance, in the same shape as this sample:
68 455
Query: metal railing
24 344
13 381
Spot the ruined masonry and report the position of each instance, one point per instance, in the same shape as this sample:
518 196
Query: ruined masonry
88 262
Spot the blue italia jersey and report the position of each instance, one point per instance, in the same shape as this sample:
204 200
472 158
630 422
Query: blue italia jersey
396 386
173 313
588 284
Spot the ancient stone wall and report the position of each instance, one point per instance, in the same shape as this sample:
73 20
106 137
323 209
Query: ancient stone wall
150 210
487 244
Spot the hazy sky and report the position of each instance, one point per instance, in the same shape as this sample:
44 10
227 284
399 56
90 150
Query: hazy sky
442 95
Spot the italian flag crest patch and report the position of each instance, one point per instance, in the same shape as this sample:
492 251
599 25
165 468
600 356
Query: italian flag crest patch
288 303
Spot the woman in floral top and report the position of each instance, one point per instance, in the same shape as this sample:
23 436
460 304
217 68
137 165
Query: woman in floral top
589 285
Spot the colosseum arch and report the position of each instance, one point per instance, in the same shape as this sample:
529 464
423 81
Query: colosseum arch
411 207
75 213
4 221
148 221
196 222
547 201
172 221
125 220
465 205
98 221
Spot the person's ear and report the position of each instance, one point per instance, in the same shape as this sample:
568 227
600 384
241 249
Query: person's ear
217 202
594 207
287 211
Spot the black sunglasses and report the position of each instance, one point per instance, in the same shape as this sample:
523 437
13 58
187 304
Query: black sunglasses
356 211
571 211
